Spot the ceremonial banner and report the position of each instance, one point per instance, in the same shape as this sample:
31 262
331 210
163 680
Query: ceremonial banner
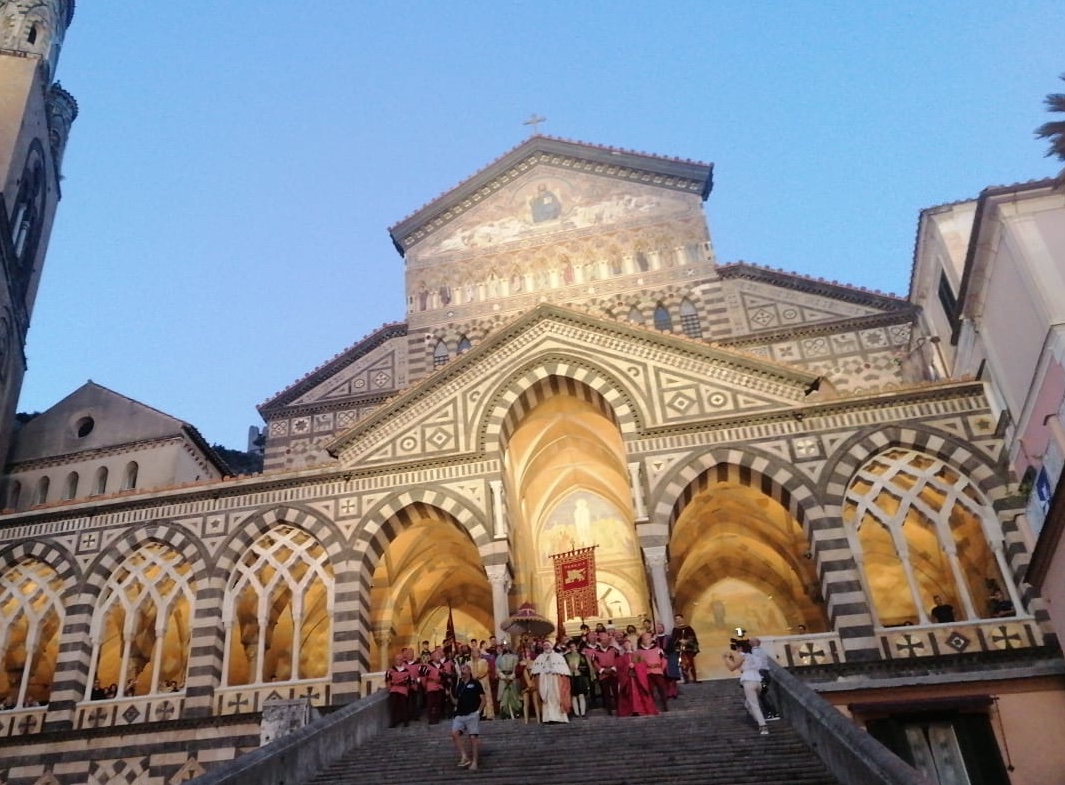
575 584
449 633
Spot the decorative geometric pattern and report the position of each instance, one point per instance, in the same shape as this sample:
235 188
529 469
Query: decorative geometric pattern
190 771
88 542
811 653
806 448
958 642
1007 636
766 307
128 771
908 645
131 714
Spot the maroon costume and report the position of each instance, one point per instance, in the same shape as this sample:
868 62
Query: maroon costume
399 680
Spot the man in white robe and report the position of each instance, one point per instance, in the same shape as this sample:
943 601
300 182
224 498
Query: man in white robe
551 668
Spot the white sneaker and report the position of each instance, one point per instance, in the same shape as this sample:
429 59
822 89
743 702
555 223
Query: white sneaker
763 731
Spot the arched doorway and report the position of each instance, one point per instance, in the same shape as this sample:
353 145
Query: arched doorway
430 568
740 559
568 487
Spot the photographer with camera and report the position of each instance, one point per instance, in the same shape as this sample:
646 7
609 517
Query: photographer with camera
748 658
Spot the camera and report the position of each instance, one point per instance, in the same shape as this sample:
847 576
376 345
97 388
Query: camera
740 644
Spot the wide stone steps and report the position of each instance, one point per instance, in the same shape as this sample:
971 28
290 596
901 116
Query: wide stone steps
706 737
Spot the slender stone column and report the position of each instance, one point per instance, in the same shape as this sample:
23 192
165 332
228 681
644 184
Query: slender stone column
1007 577
958 572
499 577
497 509
655 556
383 637
638 503
903 549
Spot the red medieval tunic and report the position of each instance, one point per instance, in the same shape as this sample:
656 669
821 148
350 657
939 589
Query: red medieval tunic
624 680
399 682
640 685
433 682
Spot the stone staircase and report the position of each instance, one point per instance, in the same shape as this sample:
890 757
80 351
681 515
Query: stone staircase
706 738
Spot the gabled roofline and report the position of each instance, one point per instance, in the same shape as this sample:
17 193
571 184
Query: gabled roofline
805 283
340 360
183 427
986 195
209 452
677 173
546 311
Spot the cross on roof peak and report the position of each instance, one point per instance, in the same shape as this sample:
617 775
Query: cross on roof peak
535 120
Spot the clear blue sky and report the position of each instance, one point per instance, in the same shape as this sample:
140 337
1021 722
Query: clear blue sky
235 165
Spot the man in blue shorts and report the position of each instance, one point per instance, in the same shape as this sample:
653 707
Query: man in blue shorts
469 699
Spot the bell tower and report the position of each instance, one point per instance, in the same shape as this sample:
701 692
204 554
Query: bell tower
35 119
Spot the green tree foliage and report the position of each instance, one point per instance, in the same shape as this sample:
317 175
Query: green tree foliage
240 462
1054 130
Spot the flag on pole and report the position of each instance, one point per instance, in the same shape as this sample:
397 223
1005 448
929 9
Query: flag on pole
449 634
575 584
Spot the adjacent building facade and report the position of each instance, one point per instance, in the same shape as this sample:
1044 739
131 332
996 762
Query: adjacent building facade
36 114
988 275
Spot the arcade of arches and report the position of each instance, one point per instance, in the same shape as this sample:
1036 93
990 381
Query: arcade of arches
917 527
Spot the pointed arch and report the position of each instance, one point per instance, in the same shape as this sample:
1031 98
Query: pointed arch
739 525
441 355
432 562
925 531
384 524
55 556
31 619
845 604
278 609
689 319
663 321
142 630
556 375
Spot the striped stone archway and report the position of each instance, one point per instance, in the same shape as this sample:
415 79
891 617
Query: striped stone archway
55 556
845 603
381 525
979 468
557 375
345 677
72 669
68 572
775 478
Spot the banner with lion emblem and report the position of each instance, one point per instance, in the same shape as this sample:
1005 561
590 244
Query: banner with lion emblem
575 583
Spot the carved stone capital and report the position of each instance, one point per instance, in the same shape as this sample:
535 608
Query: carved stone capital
498 575
382 636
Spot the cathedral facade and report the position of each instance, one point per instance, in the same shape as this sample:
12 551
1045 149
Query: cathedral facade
747 447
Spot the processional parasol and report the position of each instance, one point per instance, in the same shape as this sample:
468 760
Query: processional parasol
527 620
